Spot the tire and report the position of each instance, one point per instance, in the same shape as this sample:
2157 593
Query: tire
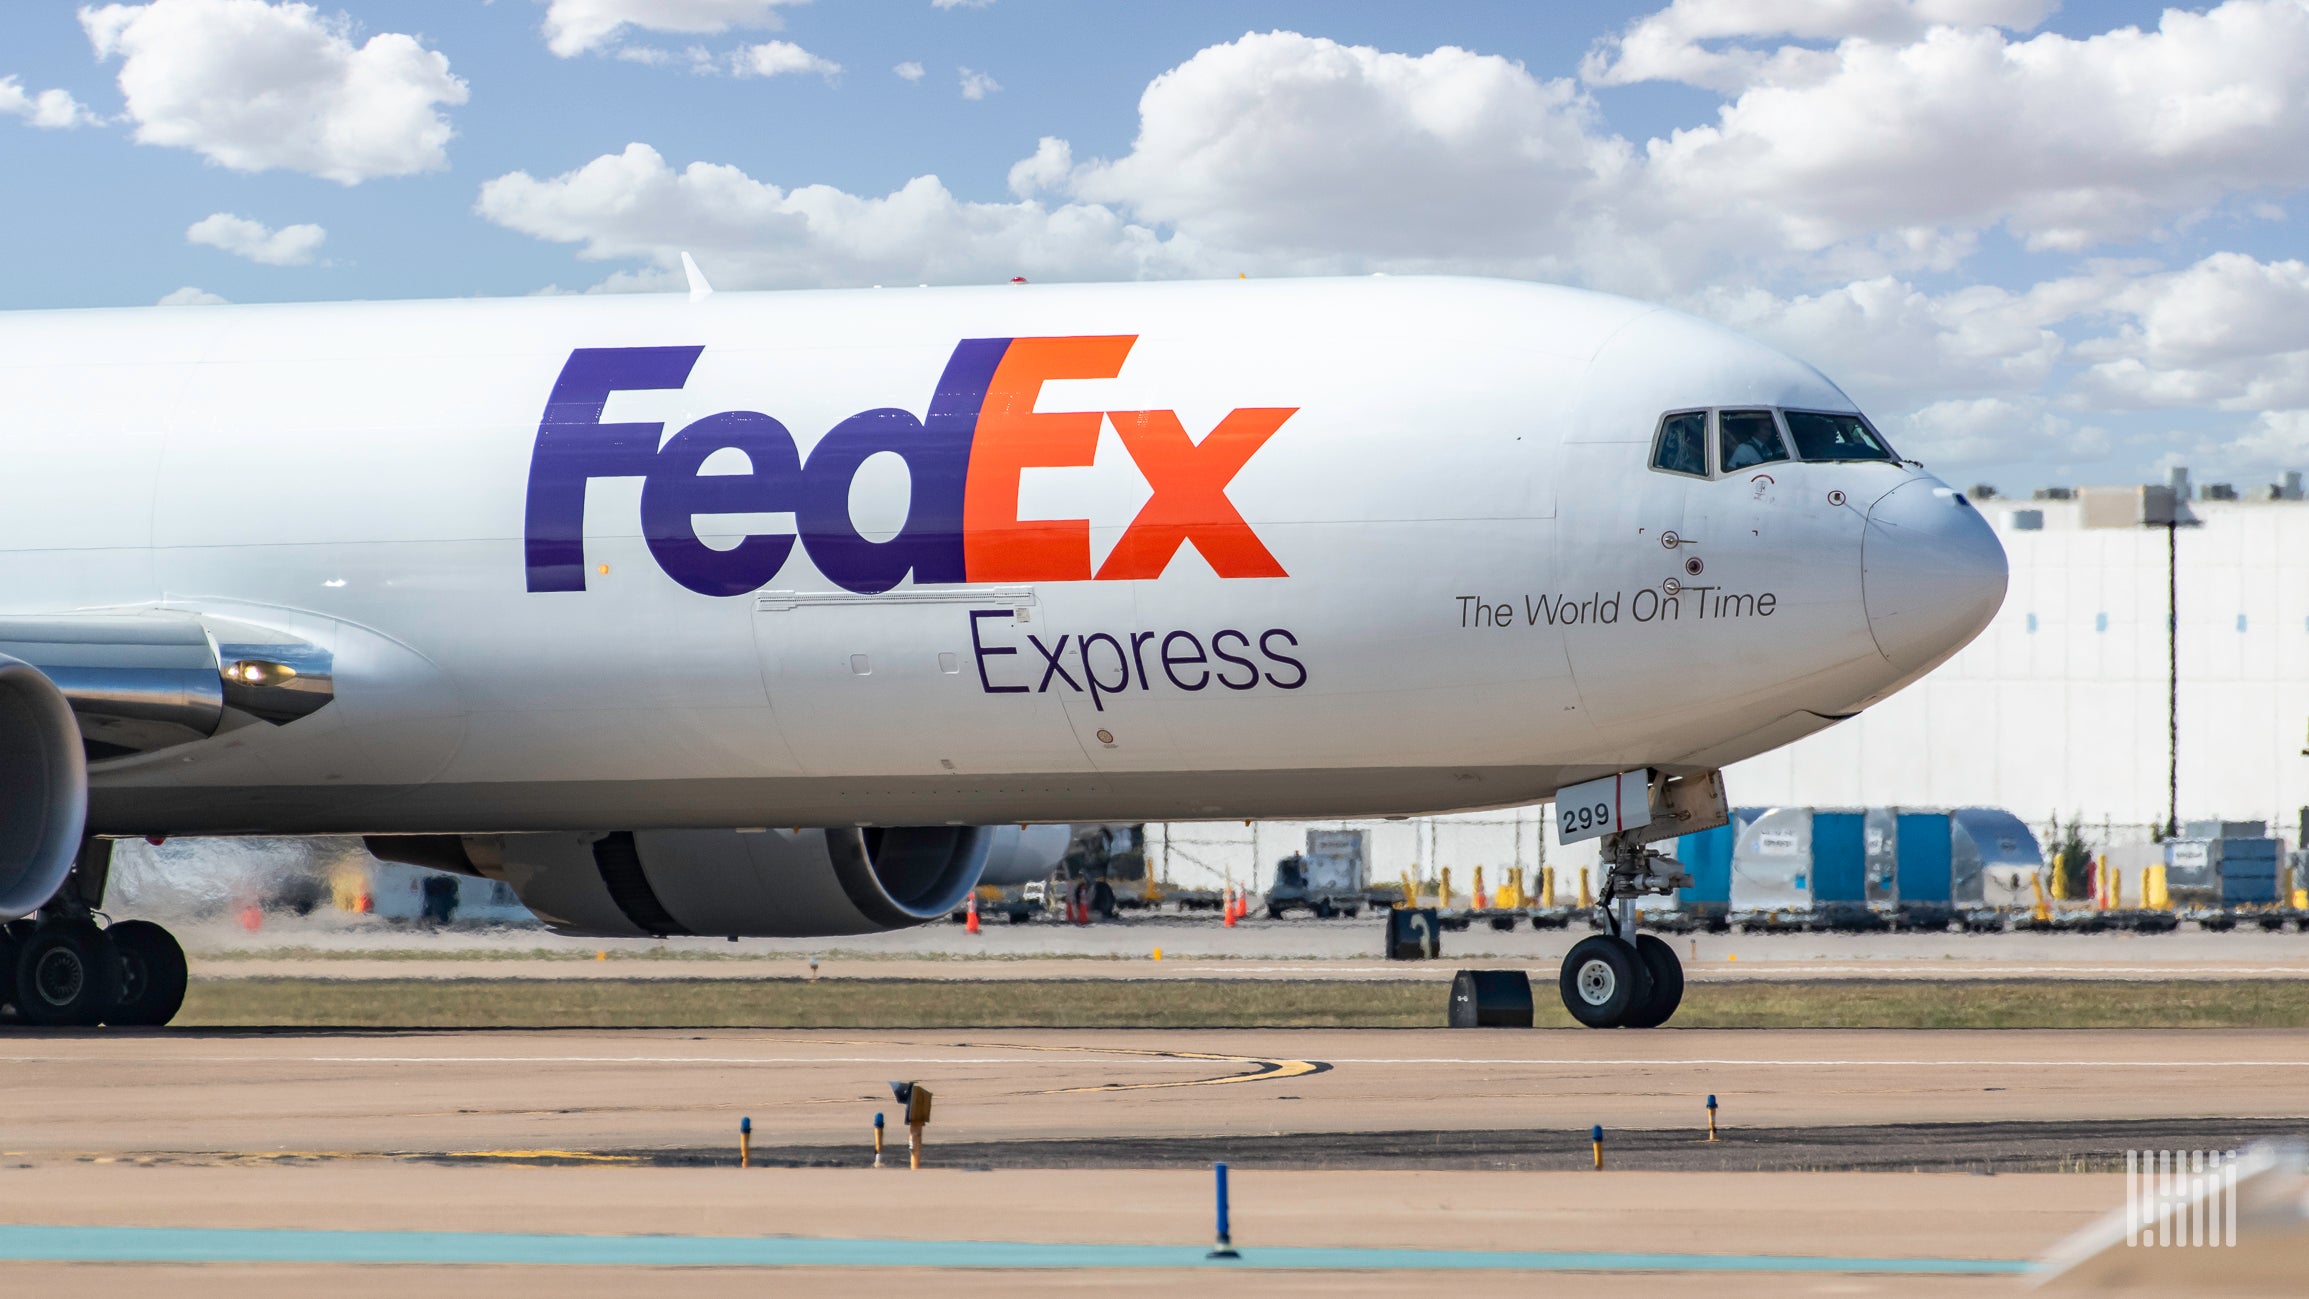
1602 981
1102 899
1323 911
66 975
152 974
1274 912
8 964
1667 979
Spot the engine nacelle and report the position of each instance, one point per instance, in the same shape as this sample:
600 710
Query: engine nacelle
769 883
43 788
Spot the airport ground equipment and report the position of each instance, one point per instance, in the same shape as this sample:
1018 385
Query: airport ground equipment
1414 934
1490 999
1332 877
1869 868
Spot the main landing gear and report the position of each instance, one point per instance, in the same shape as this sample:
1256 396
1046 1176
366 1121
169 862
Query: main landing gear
1620 978
63 970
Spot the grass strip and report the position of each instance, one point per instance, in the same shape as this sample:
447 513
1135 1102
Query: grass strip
1200 1003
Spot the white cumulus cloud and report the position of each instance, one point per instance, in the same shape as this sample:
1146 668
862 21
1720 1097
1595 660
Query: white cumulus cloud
2065 142
572 27
188 296
776 58
960 4
1317 155
50 110
909 71
1699 42
295 245
2227 333
978 85
259 87
635 205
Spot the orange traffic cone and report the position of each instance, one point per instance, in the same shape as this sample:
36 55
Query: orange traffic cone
970 923
1482 898
1228 915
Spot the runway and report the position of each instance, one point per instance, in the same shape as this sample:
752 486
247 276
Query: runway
372 1092
618 1135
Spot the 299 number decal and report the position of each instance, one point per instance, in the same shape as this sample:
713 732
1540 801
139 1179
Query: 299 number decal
1571 820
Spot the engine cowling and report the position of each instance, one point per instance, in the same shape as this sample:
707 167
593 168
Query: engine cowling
43 788
770 883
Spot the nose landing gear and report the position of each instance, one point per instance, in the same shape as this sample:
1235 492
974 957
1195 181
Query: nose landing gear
1619 978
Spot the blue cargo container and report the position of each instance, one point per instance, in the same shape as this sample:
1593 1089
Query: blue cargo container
1921 866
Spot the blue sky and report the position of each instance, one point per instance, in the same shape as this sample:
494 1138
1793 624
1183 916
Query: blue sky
2039 249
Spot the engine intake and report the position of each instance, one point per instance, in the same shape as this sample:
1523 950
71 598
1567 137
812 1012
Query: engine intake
43 788
770 883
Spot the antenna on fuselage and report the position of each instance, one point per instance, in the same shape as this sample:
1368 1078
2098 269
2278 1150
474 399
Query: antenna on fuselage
699 290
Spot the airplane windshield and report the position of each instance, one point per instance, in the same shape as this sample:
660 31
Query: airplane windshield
1683 445
1748 438
1834 437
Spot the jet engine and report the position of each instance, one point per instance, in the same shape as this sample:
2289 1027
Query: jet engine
43 788
762 883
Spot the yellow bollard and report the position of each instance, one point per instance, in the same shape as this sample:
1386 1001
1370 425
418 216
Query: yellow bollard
1158 953
1410 890
1511 893
1443 890
1595 1135
2043 910
1586 898
745 1143
2116 890
2154 893
1547 886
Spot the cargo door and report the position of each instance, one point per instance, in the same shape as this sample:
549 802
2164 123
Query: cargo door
1925 851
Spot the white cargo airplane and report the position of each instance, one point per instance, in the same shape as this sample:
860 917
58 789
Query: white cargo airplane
750 613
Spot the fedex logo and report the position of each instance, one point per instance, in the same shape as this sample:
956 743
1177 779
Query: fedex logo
963 460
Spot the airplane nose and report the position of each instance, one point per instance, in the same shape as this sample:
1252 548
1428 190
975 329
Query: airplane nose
1932 573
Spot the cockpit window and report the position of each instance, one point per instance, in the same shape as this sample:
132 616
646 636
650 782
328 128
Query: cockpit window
1748 438
1683 444
1835 437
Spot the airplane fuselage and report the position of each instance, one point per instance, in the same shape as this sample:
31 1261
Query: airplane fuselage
912 557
